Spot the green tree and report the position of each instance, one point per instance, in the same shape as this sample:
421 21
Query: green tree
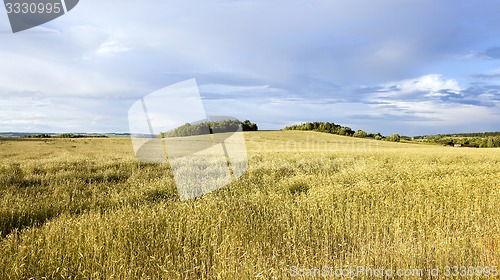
394 137
360 134
249 126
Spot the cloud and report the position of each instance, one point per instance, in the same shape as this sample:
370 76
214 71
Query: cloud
427 87
32 74
111 47
272 61
225 89
69 114
435 88
493 53
430 101
486 76
432 84
489 54
393 117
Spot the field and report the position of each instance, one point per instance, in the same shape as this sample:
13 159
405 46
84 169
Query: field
86 208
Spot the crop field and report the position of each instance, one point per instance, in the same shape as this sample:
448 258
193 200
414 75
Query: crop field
86 208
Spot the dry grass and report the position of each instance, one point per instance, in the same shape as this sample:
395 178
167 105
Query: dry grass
86 208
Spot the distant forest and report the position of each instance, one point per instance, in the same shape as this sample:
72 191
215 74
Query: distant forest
479 139
476 139
65 135
474 134
333 128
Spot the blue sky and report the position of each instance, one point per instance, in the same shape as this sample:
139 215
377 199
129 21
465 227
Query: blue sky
411 67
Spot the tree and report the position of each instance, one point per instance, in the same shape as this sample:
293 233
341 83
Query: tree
360 134
348 131
394 137
249 126
322 128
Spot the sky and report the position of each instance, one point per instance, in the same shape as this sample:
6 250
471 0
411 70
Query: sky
388 66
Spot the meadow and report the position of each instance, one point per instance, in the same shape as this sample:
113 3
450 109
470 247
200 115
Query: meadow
86 208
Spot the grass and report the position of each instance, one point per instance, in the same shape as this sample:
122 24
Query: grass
85 208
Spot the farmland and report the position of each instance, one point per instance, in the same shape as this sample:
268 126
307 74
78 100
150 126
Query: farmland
86 208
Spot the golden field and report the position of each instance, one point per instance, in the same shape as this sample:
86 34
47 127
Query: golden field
86 208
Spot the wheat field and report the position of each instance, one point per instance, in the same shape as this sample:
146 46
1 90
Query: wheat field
87 209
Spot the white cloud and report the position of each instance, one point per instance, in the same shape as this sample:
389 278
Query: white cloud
112 46
52 78
431 85
429 102
283 47
232 89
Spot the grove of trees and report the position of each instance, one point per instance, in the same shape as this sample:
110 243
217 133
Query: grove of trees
323 127
333 128
210 128
480 139
394 138
249 126
360 134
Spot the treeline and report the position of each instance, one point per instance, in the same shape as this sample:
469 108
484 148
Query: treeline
474 134
337 129
322 127
65 135
210 128
481 142
479 139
